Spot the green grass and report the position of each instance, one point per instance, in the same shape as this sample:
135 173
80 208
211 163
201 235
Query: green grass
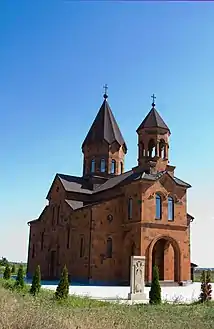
19 310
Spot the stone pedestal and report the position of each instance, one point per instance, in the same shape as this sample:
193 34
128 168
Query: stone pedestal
137 281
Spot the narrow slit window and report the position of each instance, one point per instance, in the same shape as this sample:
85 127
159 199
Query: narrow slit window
103 165
130 208
93 166
68 237
158 207
113 167
109 248
170 209
82 247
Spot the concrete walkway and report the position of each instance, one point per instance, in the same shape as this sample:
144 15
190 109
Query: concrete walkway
171 294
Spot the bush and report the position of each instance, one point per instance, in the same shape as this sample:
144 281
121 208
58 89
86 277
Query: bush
36 282
7 272
20 278
155 291
62 290
13 269
206 288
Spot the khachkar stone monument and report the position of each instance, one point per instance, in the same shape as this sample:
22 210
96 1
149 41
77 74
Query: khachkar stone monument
137 282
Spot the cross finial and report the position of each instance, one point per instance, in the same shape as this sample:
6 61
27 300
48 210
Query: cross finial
105 91
153 100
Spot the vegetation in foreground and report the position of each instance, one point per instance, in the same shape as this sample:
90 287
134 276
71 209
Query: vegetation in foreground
206 288
22 306
198 273
19 309
155 291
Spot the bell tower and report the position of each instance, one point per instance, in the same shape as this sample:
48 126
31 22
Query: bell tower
153 142
104 148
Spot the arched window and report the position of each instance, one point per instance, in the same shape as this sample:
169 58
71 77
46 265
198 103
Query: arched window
109 248
151 147
42 240
58 213
33 251
130 206
103 165
92 165
68 237
121 167
113 167
53 216
158 207
143 150
170 209
162 149
82 247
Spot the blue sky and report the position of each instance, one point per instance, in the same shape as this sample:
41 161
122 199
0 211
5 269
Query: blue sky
55 57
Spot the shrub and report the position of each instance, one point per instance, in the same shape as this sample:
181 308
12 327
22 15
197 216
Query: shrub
62 290
13 269
20 278
7 272
155 291
206 288
36 282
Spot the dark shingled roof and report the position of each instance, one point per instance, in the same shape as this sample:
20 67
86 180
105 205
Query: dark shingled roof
75 184
153 120
105 128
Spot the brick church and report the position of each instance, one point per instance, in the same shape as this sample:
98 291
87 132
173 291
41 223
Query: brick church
96 222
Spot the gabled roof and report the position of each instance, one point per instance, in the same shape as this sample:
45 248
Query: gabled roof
153 120
76 184
74 204
73 184
105 128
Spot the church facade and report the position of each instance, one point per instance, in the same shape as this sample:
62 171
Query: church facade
93 224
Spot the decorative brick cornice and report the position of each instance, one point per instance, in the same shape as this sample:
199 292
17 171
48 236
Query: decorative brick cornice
165 226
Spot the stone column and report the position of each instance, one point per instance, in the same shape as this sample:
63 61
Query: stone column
137 282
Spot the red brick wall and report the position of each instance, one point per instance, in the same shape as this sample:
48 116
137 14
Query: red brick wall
129 236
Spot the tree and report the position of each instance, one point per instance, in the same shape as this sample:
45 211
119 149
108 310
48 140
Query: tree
20 278
4 261
62 290
206 288
36 282
13 269
155 291
7 272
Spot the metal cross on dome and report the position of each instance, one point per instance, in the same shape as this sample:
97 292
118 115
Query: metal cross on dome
153 99
105 91
105 88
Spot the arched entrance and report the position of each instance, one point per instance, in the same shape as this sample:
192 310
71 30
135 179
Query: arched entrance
165 253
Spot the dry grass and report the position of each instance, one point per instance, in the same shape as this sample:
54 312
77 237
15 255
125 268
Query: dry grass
21 311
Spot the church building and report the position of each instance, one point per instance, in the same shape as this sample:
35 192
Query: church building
94 223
